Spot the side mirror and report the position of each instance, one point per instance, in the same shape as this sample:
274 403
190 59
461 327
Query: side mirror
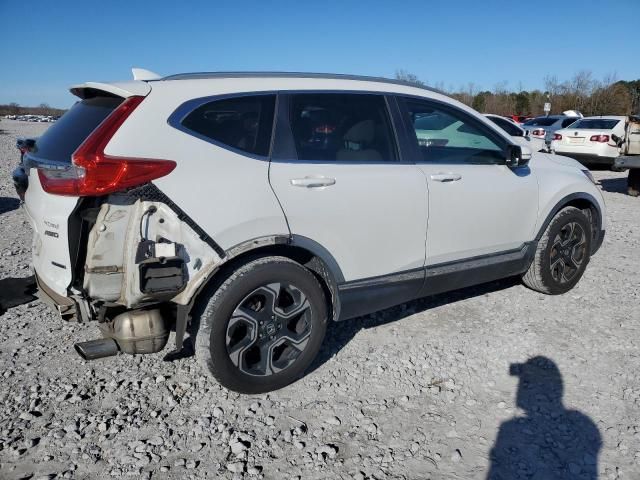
518 156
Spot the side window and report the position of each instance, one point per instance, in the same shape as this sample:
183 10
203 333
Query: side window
568 121
336 127
243 123
447 135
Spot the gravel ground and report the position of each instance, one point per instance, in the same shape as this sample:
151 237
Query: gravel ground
419 391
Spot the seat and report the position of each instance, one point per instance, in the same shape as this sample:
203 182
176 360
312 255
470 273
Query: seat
357 144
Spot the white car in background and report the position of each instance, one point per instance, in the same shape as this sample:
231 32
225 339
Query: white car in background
591 140
519 134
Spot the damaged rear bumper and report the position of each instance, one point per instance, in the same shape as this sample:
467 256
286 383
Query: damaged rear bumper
64 305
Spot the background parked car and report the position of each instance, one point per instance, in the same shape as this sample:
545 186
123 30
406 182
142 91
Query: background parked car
544 127
518 133
519 119
591 140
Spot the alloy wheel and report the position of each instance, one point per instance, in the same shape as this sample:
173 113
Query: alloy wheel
269 329
568 252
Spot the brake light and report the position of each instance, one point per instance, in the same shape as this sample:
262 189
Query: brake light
94 173
557 136
538 132
600 138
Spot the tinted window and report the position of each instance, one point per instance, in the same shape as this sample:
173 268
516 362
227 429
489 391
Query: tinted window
507 126
342 128
63 137
450 136
243 123
596 124
541 122
568 121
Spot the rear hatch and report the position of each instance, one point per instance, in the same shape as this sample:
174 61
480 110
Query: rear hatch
575 137
50 214
588 133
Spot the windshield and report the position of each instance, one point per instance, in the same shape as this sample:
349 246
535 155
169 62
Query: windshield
596 124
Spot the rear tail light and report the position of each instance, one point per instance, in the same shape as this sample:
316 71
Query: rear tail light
600 138
557 136
94 173
538 132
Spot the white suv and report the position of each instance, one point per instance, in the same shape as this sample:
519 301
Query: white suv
248 210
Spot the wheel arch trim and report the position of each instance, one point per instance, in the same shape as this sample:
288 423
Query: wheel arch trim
571 200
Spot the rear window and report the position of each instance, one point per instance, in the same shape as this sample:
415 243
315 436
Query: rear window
596 124
63 137
242 123
541 122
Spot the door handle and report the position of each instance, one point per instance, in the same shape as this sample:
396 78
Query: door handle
446 177
313 182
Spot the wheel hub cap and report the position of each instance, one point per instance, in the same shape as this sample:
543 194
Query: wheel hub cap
568 252
269 329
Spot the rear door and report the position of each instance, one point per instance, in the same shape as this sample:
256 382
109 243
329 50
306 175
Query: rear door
50 214
477 205
337 171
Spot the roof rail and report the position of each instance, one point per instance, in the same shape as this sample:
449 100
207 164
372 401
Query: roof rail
327 76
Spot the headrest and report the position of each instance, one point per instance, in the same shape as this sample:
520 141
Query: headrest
361 132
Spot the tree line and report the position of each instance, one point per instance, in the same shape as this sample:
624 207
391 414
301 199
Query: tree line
582 92
42 109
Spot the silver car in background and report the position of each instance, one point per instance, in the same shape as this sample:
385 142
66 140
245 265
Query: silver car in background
544 127
519 134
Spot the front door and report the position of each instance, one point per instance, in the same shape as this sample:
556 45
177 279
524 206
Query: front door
477 205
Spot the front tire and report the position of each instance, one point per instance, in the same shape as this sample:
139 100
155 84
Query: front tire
263 326
562 253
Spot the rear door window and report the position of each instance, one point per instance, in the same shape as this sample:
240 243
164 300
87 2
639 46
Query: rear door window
342 127
240 123
62 138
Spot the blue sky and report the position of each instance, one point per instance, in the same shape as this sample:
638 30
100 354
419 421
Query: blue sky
47 45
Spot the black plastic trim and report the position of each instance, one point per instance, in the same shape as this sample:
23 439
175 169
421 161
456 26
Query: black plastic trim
369 295
361 297
476 270
595 245
151 192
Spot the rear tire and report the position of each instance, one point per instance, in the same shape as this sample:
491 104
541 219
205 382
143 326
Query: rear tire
562 253
263 326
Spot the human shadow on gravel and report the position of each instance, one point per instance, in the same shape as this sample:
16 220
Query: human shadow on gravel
339 334
614 185
8 203
549 442
16 291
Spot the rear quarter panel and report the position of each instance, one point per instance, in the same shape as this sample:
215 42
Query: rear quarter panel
227 194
